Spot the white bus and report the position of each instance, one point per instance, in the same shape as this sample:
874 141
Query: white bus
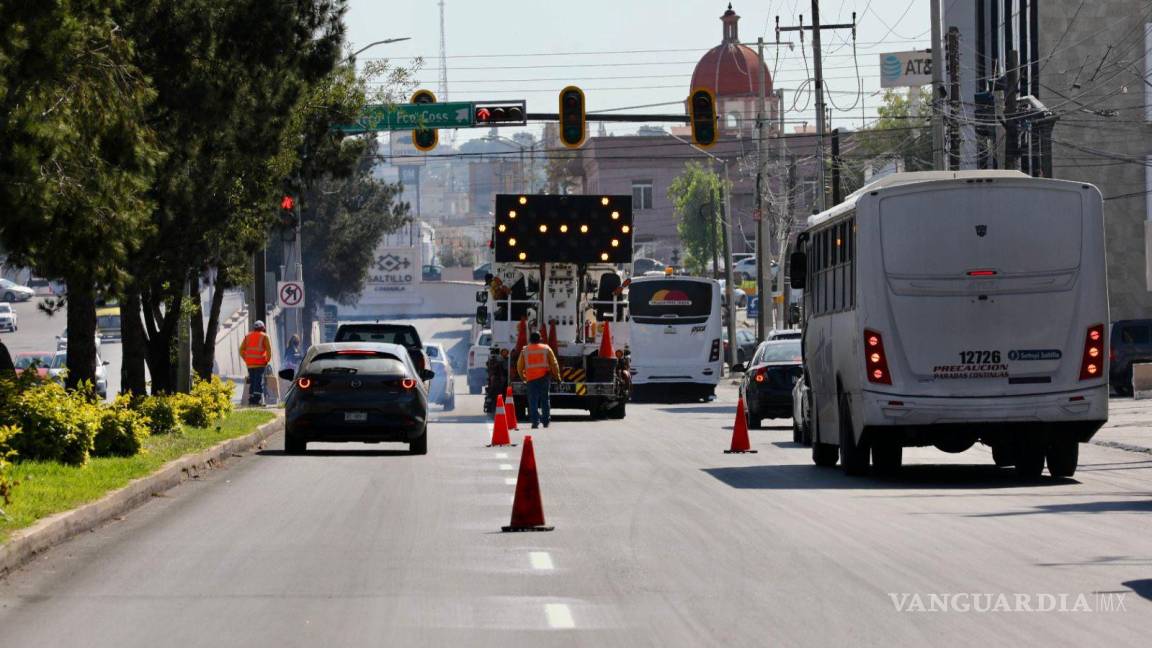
946 308
674 337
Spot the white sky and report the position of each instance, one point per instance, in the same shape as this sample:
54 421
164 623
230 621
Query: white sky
587 48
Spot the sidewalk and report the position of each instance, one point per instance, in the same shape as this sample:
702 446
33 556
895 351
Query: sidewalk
1129 425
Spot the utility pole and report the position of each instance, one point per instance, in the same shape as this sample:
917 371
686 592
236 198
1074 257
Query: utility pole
258 311
1011 86
726 214
937 89
784 219
761 235
818 70
953 50
837 194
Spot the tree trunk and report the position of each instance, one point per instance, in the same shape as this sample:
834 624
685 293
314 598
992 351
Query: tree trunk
81 332
134 346
204 335
161 324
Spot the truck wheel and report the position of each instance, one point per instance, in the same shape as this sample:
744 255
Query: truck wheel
1063 454
618 411
853 455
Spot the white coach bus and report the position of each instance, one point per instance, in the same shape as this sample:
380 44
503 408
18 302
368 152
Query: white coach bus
945 308
675 337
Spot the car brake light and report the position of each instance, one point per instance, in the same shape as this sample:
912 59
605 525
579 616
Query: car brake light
304 383
875 361
408 383
760 375
981 273
1092 364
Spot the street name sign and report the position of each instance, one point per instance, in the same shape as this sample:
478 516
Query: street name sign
385 117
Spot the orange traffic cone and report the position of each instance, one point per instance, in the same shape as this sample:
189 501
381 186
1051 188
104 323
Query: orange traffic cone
552 335
510 410
500 425
527 509
606 343
740 443
544 332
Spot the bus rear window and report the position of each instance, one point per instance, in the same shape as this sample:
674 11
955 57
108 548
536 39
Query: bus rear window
670 299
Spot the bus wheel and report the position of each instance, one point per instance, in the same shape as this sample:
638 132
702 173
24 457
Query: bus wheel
887 456
1063 455
853 455
1029 454
823 454
1002 455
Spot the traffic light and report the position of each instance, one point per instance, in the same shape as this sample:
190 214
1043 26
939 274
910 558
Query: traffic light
573 131
424 139
505 113
289 217
563 229
702 109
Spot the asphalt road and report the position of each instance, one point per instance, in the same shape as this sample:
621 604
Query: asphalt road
660 540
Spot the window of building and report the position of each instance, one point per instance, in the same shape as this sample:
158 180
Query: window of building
641 194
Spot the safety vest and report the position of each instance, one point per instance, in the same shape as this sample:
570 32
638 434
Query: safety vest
253 350
536 363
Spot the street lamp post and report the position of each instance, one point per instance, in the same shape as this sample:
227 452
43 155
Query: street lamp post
371 45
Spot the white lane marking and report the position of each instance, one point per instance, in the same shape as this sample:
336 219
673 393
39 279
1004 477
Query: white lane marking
510 481
501 455
507 467
559 616
540 560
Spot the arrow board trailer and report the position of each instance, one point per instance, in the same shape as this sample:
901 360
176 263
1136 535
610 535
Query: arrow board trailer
556 271
946 308
675 336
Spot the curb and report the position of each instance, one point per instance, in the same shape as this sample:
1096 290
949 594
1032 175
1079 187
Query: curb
53 530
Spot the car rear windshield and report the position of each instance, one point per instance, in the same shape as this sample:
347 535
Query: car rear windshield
671 299
365 365
485 340
433 352
402 335
5 308
25 361
788 351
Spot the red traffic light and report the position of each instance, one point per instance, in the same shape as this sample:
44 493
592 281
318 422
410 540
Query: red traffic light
287 203
483 114
499 114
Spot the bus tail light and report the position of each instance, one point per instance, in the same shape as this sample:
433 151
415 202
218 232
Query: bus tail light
874 359
1092 366
715 354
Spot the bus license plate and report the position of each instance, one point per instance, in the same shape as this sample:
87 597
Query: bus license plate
355 417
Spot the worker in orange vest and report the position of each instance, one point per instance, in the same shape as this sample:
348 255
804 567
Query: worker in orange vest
538 367
256 350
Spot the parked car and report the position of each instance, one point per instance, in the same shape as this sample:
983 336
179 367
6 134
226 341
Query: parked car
784 334
745 345
405 335
745 269
478 361
442 389
60 364
432 272
42 286
10 291
801 415
9 321
738 294
1131 342
768 380
62 341
42 360
356 392
481 270
643 265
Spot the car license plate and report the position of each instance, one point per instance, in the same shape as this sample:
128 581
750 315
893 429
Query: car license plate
355 417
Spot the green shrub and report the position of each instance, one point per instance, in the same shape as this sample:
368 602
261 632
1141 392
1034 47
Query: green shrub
161 412
6 455
55 425
208 403
122 430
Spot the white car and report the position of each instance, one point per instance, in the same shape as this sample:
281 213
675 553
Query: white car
62 341
785 334
10 291
60 364
8 319
442 388
478 362
738 295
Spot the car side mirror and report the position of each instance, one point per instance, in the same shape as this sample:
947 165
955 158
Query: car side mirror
482 315
287 374
427 374
798 270
738 367
105 363
481 296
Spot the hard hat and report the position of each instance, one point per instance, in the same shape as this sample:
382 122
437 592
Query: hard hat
258 325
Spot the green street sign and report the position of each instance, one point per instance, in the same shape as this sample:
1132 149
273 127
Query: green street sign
382 117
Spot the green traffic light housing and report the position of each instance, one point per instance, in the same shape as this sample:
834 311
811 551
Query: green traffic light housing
702 109
424 139
573 128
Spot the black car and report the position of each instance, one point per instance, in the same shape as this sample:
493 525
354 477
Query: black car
356 392
1131 341
481 271
405 335
745 345
769 379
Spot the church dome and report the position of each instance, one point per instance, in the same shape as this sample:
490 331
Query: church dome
729 69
